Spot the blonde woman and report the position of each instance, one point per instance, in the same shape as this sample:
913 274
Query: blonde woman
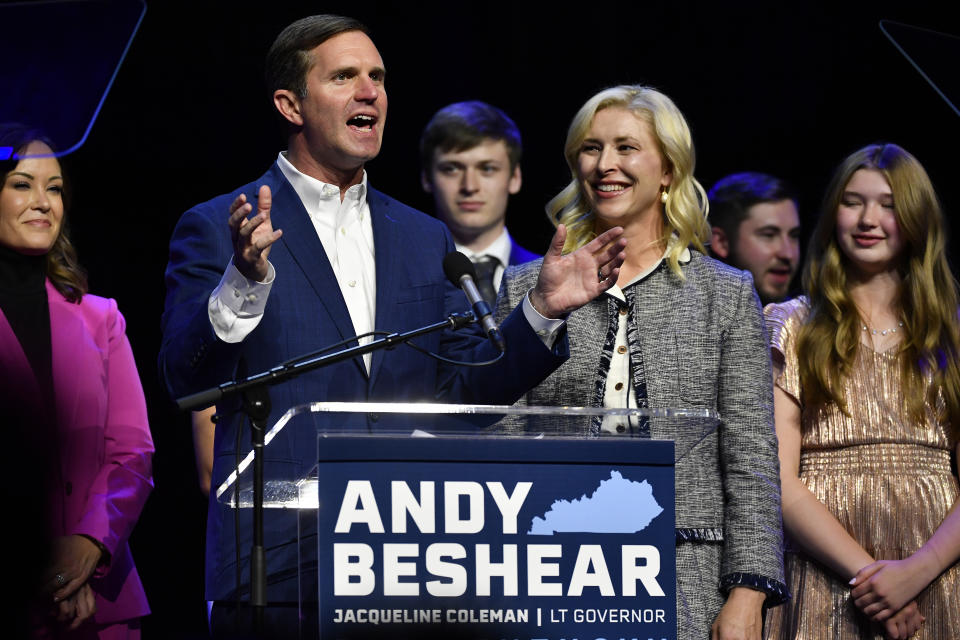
867 403
679 329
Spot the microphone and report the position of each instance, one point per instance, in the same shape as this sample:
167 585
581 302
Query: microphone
461 272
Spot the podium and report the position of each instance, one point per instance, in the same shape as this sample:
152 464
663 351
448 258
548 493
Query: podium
479 521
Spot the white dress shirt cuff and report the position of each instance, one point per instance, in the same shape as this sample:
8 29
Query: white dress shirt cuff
236 306
546 328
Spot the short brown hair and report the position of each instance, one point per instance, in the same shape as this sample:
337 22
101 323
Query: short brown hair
464 125
288 59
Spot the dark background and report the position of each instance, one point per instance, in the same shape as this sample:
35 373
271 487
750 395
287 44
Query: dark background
785 88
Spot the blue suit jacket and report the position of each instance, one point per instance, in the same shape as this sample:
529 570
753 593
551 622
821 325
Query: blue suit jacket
519 255
306 312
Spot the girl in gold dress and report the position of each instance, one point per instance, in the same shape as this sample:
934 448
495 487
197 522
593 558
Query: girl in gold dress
867 408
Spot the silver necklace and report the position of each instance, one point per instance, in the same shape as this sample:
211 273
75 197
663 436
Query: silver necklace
883 332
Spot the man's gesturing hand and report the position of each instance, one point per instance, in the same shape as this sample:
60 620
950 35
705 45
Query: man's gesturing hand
252 238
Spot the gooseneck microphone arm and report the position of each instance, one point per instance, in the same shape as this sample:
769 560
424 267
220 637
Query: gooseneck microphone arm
461 272
296 367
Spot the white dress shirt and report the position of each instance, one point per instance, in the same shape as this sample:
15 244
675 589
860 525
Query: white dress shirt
546 328
499 249
346 233
236 305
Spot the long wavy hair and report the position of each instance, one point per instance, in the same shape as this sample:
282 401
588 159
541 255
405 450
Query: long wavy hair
62 267
927 299
685 212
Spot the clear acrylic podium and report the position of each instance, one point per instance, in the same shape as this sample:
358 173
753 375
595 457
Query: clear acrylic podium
459 429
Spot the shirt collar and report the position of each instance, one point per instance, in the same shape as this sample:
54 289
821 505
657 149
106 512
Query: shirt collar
499 249
617 291
313 192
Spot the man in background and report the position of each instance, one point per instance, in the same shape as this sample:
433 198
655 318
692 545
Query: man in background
756 227
470 159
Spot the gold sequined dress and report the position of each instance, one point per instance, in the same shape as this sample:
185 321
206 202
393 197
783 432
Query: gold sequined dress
885 478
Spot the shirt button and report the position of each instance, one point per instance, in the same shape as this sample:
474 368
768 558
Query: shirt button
618 386
543 333
622 349
343 231
623 311
352 283
621 428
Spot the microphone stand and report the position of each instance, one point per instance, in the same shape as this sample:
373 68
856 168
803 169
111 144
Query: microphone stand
256 405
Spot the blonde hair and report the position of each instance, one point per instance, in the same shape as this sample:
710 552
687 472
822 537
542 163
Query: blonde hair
685 212
927 299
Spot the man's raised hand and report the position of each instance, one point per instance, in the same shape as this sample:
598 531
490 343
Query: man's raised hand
252 238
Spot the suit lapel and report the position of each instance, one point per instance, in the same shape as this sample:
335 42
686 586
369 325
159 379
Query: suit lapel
301 241
519 255
514 258
18 375
67 338
389 253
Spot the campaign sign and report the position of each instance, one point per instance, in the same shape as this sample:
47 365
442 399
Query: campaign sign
496 538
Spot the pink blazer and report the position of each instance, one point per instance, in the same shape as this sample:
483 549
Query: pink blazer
106 450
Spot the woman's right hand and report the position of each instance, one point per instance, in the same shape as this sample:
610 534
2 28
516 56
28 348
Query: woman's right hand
886 586
567 282
73 560
77 608
903 623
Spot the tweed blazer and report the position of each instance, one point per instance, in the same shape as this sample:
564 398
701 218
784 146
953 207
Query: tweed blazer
703 345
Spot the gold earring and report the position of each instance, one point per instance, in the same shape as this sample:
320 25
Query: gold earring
663 196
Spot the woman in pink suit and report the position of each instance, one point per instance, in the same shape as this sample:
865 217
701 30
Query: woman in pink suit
67 364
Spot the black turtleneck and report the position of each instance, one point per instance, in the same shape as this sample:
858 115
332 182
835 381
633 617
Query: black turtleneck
23 299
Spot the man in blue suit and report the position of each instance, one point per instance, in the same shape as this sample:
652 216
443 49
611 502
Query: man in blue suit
243 296
470 162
